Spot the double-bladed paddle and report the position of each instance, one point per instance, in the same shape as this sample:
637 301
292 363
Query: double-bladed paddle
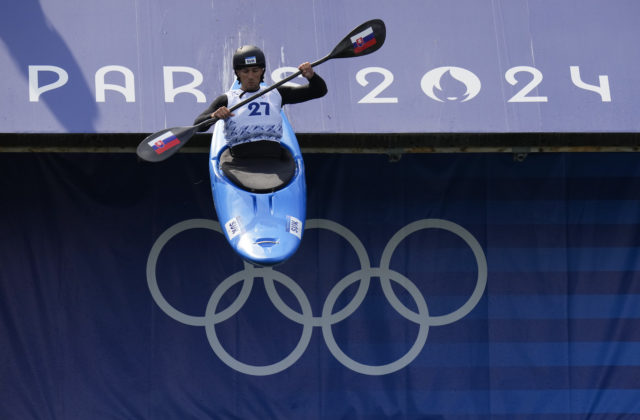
363 40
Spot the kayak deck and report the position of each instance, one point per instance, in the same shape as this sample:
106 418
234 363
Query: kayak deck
263 228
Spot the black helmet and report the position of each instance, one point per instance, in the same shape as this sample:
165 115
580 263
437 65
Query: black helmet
248 56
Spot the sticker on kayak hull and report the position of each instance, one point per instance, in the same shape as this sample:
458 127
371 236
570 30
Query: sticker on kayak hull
294 226
233 228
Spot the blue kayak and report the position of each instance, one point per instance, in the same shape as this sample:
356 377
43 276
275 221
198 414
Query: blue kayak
261 203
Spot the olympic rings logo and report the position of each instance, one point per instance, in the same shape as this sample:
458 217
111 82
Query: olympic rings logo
325 321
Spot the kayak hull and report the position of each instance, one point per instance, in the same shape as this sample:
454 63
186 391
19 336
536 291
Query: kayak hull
264 229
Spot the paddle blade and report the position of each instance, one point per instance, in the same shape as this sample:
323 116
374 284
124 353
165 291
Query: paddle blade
363 40
165 143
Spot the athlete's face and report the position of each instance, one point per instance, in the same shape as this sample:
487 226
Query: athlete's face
250 77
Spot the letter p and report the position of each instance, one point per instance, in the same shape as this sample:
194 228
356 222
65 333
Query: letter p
35 90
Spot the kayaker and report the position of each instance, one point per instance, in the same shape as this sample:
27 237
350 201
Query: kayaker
254 130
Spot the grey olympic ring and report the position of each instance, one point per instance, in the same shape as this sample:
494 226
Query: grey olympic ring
328 317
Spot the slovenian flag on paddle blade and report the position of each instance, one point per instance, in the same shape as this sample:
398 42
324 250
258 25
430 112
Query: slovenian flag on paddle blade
165 142
363 40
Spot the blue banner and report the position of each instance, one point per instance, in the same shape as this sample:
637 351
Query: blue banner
454 66
440 286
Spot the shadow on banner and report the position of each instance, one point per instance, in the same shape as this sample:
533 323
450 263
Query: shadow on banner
39 42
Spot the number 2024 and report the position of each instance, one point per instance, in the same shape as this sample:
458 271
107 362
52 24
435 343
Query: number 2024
523 95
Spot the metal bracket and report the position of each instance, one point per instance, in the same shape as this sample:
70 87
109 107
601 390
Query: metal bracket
520 153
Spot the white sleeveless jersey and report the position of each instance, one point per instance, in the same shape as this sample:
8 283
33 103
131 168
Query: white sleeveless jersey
258 120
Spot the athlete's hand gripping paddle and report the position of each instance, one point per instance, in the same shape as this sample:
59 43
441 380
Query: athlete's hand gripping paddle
363 40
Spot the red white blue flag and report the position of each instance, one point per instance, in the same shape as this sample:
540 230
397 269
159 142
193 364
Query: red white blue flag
165 142
363 40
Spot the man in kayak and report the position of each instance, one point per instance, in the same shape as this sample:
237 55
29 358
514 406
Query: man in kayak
255 130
